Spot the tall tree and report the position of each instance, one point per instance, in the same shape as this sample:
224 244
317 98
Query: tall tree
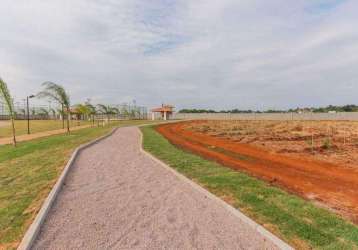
6 97
57 93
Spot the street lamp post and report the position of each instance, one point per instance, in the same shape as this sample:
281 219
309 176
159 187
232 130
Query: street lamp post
63 116
28 112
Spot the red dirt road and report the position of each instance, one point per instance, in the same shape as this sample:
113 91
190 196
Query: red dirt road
333 186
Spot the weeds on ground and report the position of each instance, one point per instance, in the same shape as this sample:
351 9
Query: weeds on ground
327 144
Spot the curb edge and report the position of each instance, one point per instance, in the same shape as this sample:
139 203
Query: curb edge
34 229
236 212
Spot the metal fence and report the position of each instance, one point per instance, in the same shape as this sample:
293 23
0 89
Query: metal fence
46 112
341 116
126 112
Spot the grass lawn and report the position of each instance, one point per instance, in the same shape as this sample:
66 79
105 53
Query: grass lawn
295 220
35 126
28 172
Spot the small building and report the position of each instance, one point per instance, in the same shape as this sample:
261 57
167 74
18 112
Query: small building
165 111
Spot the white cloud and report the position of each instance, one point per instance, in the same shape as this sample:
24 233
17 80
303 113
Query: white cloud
215 54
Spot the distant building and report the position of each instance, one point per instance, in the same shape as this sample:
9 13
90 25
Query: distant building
165 112
75 113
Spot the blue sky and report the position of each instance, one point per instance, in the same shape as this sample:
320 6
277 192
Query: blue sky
205 54
324 5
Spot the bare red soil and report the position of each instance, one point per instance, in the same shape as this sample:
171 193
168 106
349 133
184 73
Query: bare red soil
333 186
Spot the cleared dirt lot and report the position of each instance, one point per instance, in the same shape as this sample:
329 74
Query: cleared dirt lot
281 153
333 141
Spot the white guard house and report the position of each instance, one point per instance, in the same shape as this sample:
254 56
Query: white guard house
165 112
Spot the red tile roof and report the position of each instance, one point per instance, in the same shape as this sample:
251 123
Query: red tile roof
164 108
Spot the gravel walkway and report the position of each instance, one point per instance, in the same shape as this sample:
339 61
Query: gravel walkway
115 197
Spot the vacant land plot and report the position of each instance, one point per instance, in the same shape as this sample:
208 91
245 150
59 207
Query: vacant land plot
330 185
296 220
28 172
331 141
35 126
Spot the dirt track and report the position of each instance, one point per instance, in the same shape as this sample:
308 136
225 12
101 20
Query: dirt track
116 197
333 186
21 138
4 124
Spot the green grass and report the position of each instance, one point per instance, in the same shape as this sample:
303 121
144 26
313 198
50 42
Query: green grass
28 172
292 218
35 126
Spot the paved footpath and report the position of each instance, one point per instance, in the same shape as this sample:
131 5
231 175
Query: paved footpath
116 197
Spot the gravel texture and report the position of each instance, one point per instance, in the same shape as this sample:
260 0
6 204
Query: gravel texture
115 197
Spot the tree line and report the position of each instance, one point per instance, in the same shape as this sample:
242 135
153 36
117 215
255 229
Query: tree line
57 93
329 108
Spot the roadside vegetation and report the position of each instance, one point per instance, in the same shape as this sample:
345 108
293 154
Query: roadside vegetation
28 173
25 119
6 96
295 220
58 94
329 108
106 110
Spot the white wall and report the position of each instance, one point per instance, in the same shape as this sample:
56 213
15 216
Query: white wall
353 116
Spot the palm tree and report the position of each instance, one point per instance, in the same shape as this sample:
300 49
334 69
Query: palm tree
106 110
82 111
116 111
125 111
5 95
92 111
57 93
44 113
